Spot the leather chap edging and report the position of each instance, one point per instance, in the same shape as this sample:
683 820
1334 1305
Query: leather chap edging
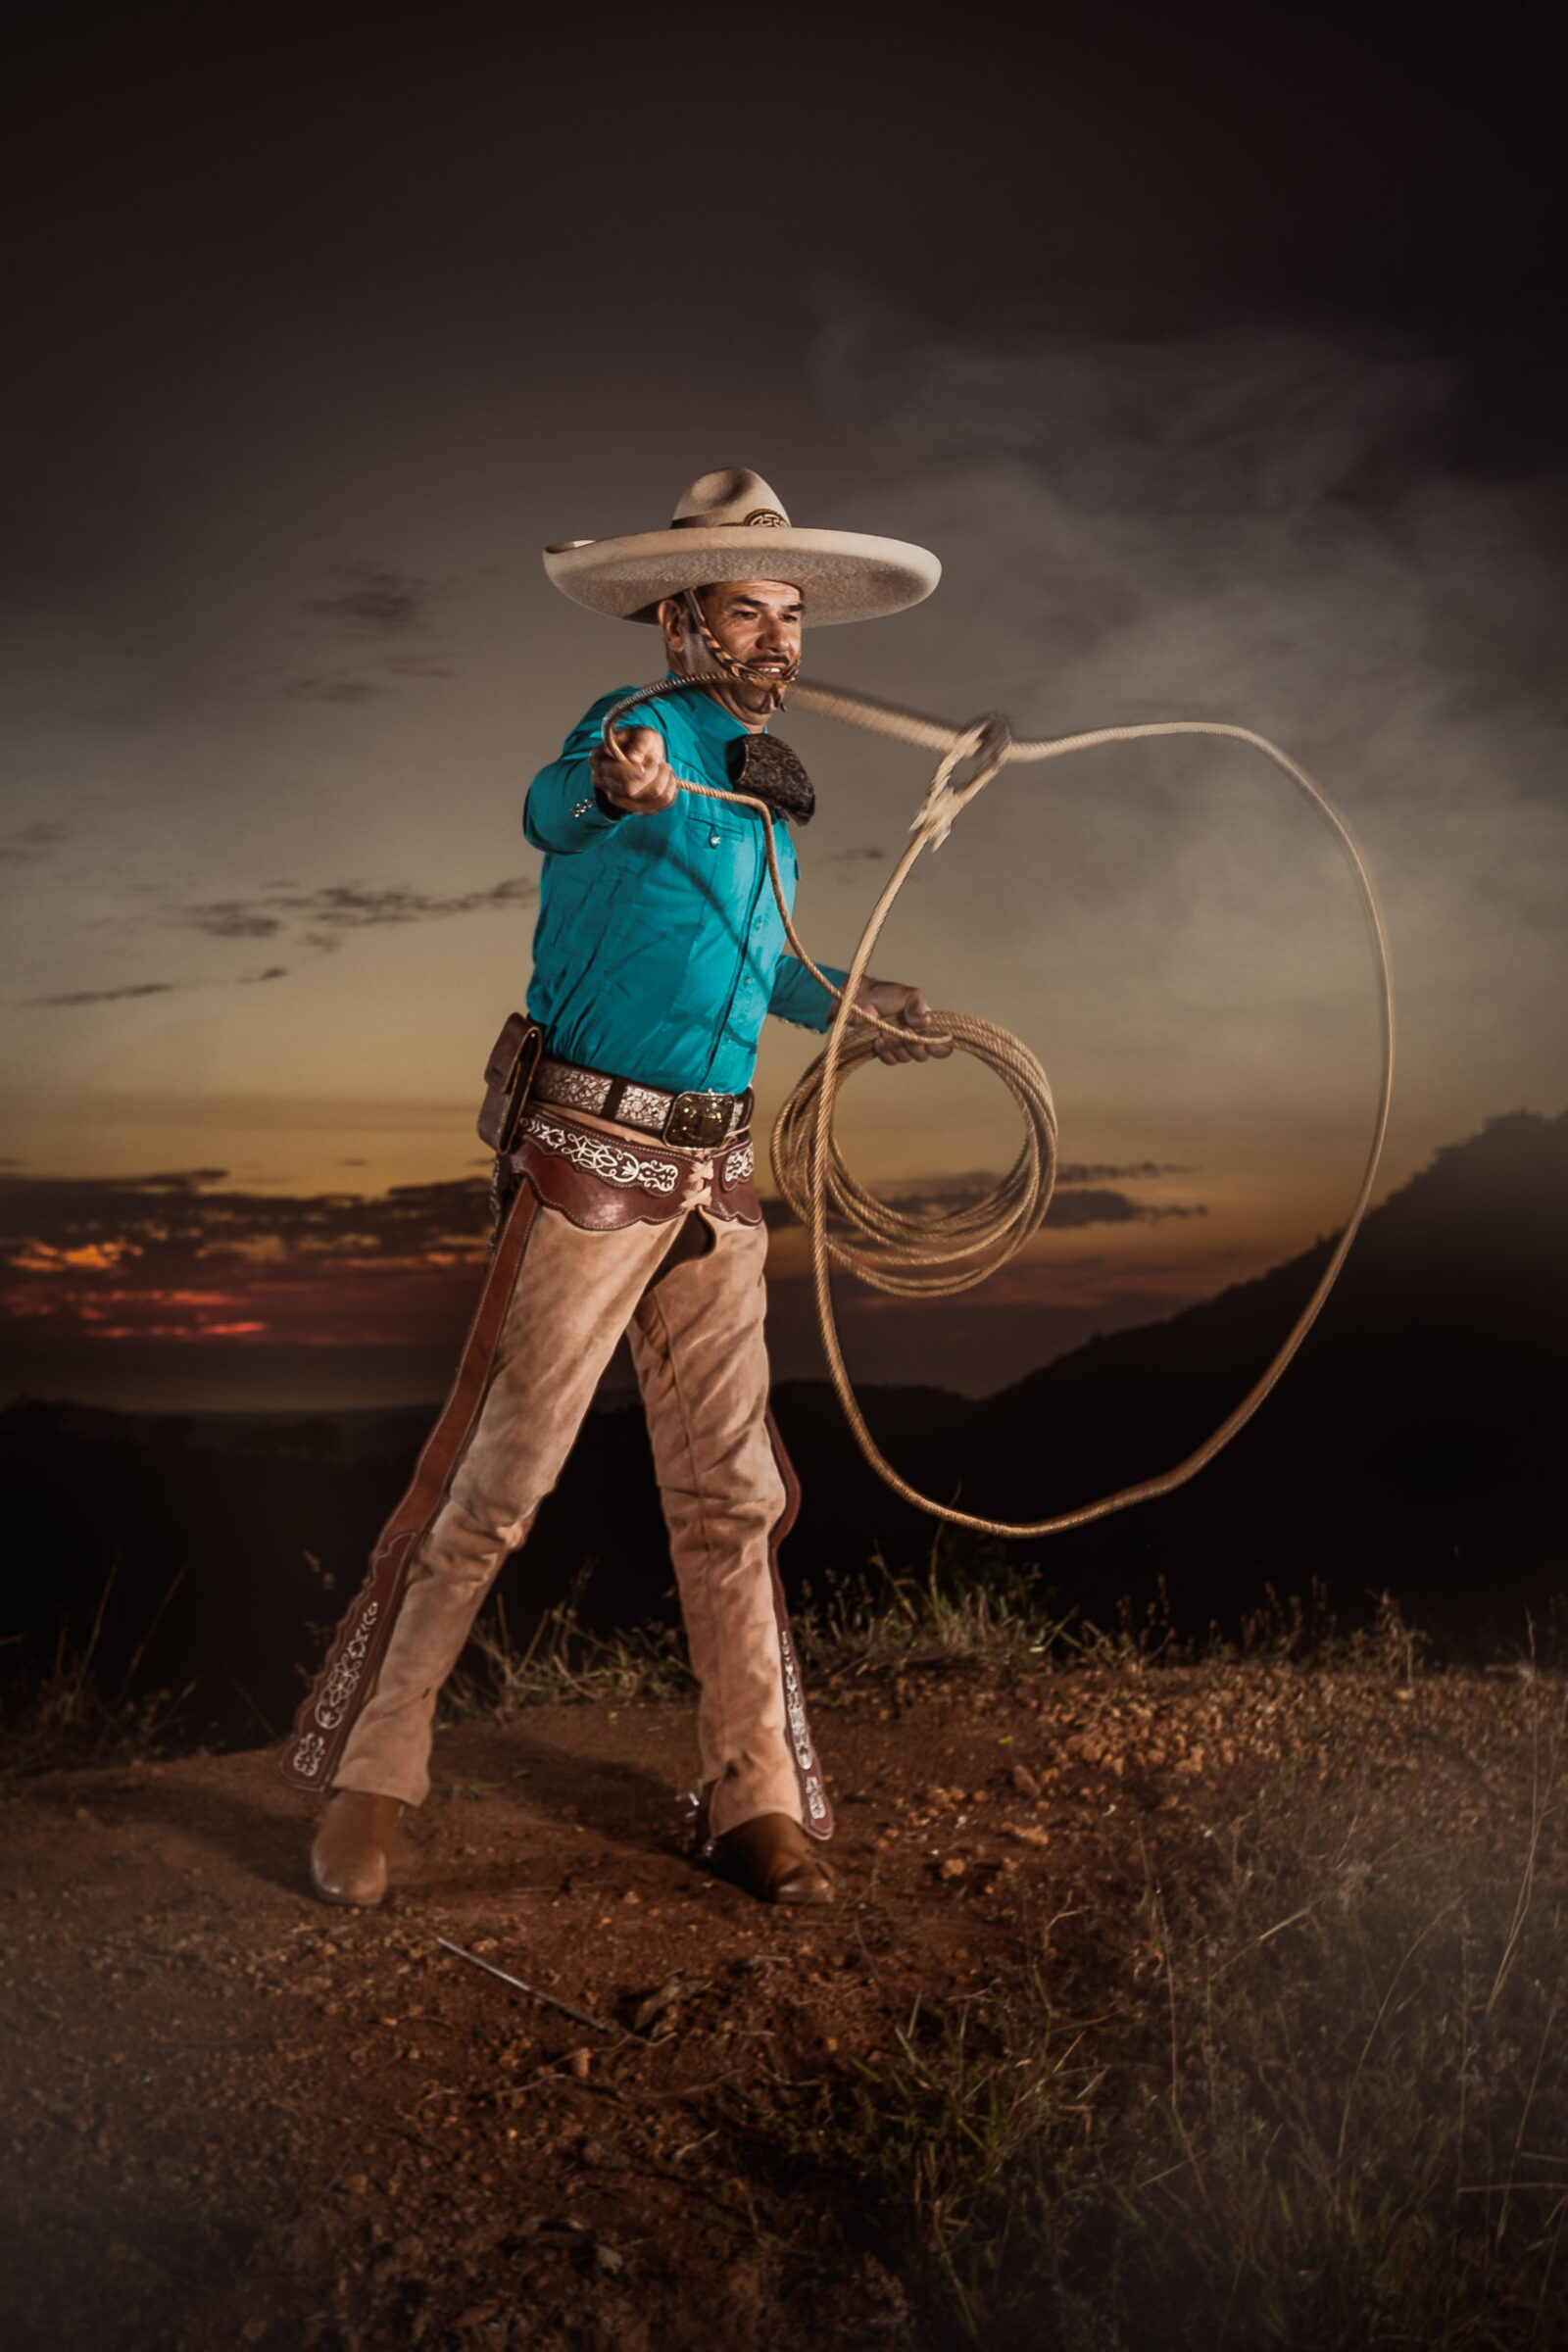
314 1749
816 1812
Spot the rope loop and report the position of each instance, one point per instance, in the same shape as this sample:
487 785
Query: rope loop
987 741
925 1251
930 1250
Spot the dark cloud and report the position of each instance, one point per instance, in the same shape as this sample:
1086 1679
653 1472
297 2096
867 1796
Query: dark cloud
105 1263
375 600
1073 1203
179 1209
318 688
181 1212
342 907
103 996
375 604
1092 1206
1104 1171
168 1256
30 842
850 857
339 907
353 686
417 665
324 917
230 918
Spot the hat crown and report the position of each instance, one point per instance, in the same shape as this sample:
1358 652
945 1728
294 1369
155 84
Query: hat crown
733 498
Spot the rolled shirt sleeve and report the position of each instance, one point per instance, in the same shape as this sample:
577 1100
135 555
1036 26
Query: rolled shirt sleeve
561 813
799 998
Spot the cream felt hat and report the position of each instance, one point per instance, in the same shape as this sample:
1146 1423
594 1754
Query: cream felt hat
731 526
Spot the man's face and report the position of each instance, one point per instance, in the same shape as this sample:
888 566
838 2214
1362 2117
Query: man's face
755 621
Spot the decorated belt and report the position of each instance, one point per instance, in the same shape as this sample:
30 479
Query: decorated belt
692 1121
602 1182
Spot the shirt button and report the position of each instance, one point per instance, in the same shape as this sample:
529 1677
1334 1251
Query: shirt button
713 841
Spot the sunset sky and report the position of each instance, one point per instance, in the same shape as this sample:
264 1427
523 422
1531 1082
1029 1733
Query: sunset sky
1218 376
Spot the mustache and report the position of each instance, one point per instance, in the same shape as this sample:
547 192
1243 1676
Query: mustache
756 659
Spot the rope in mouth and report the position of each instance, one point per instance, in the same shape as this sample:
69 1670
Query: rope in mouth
774 682
924 1255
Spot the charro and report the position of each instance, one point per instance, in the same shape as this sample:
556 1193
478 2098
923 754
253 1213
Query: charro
732 636
625 1186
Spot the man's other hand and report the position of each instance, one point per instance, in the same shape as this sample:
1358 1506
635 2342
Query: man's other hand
641 782
896 1002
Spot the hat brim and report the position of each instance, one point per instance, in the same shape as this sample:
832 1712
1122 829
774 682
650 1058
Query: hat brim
842 575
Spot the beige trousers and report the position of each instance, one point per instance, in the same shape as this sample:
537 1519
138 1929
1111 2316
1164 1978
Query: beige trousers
702 1365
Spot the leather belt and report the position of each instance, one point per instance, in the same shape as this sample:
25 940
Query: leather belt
693 1121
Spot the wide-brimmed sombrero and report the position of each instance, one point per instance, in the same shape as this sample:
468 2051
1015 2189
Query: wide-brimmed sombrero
731 526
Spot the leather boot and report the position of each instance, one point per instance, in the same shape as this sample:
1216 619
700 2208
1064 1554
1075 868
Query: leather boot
773 1859
348 1858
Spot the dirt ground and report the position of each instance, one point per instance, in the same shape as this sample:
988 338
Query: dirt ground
229 2116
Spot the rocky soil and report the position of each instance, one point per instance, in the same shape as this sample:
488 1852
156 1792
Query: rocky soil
231 2117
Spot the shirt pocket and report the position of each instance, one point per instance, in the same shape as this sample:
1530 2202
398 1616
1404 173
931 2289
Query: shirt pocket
725 864
651 907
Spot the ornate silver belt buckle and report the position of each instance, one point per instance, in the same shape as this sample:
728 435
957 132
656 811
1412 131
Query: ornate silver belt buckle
698 1122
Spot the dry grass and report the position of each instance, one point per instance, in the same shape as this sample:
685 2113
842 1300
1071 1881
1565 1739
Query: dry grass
1311 2092
64 1716
1315 2094
564 1661
968 1602
1308 2088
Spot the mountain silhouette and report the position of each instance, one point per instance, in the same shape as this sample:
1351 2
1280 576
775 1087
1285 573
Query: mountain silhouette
1411 1444
1411 1447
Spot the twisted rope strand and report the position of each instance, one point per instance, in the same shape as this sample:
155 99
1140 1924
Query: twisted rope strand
922 1255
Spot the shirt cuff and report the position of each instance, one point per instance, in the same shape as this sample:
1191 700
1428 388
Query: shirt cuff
563 811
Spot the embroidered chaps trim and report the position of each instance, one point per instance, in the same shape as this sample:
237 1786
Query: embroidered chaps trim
311 1754
817 1811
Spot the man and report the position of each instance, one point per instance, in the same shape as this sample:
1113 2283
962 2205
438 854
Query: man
658 953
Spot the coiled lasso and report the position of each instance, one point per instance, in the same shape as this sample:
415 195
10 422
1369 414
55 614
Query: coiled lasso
933 1254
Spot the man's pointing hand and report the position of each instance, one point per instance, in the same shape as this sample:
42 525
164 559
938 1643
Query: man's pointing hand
639 782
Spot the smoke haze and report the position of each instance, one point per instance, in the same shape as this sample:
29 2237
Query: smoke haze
1270 526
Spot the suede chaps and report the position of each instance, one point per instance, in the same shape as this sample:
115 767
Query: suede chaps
594 1243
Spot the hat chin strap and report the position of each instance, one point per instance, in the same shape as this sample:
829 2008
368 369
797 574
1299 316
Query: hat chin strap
740 673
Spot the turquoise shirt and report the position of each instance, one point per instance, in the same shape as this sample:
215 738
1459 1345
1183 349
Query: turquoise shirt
658 951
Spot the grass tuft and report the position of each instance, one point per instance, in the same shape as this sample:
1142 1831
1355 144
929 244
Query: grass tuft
969 1601
564 1661
1314 2096
64 1717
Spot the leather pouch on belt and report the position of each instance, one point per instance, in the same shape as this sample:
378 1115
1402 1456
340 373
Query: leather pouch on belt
508 1076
